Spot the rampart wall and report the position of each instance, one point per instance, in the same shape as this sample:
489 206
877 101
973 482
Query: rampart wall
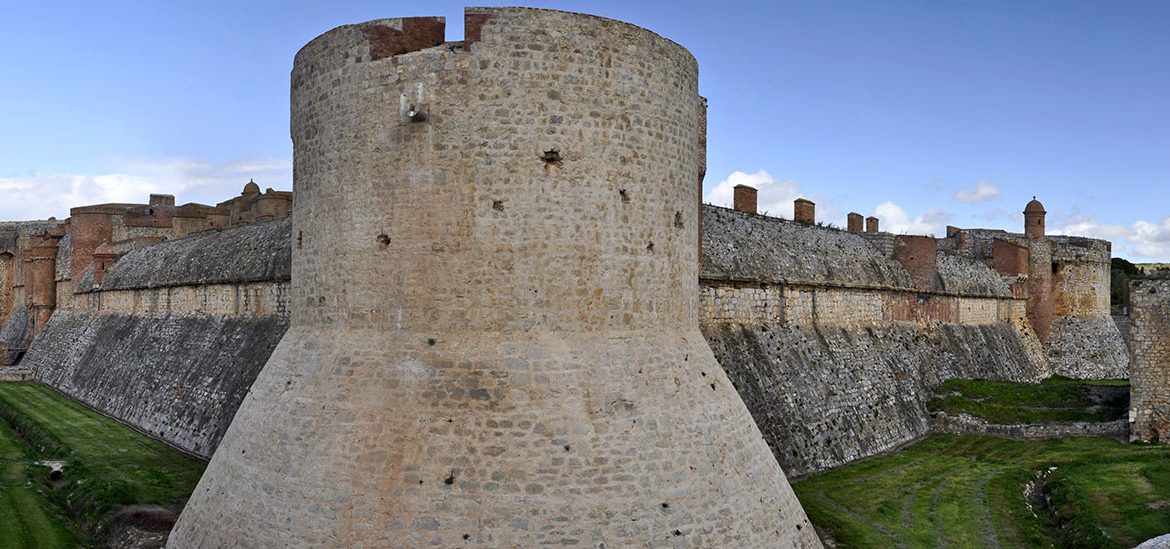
1149 381
1066 280
175 334
835 347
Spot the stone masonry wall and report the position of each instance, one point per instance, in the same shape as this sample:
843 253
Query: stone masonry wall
832 347
827 396
176 334
802 305
1149 379
256 252
178 377
744 246
247 299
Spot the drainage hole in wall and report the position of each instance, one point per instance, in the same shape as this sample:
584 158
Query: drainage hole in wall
551 156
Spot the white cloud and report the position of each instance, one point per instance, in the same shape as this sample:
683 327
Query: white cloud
40 196
775 196
983 191
1151 240
1143 241
894 219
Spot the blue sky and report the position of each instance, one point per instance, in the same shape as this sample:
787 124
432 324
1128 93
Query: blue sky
923 113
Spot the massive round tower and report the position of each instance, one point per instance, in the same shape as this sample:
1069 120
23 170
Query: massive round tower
494 337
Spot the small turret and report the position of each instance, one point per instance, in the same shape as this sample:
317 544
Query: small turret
1034 220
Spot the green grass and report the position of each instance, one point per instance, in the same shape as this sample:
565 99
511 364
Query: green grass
963 491
1055 399
109 465
27 519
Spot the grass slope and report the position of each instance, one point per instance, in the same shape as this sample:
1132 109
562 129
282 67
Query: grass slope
962 491
1056 399
27 519
109 465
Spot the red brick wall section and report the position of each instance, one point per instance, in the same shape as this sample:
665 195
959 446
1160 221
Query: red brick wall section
87 231
473 26
1040 302
43 296
804 211
1009 259
744 198
918 255
417 33
856 223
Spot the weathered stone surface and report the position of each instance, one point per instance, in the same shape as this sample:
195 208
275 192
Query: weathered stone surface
967 424
495 337
826 396
260 251
744 246
967 276
13 334
1149 376
1089 347
179 378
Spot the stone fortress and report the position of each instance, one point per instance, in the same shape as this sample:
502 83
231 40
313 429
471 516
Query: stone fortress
498 314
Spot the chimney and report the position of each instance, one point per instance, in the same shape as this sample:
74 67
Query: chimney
855 222
804 211
745 198
871 224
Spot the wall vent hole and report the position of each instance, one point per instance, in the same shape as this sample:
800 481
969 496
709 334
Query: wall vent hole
625 196
300 239
498 205
384 240
678 222
650 247
416 114
551 156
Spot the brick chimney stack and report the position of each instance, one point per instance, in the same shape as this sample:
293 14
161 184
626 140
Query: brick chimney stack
804 211
745 198
855 222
